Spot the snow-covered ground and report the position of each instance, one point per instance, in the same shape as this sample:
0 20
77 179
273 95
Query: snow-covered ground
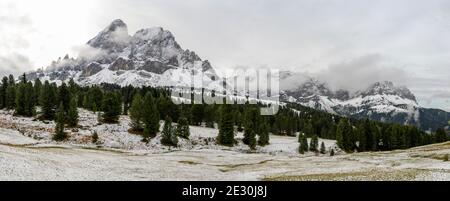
116 136
27 153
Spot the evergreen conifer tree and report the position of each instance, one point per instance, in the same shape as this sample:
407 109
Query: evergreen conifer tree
47 101
37 91
167 134
136 114
64 96
11 96
198 112
150 116
263 134
112 107
72 114
59 129
322 148
303 143
226 126
314 144
3 96
183 128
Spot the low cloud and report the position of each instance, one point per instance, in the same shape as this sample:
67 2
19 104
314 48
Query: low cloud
87 52
359 73
14 64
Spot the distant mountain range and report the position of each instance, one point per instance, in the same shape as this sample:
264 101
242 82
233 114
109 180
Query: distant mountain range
382 101
152 57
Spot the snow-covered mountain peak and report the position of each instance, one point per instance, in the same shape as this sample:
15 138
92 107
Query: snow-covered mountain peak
114 38
150 57
388 88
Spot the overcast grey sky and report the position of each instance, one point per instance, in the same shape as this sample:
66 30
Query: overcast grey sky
350 43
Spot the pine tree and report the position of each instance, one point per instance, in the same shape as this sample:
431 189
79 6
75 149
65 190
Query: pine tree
238 121
11 96
168 134
94 99
11 80
322 148
47 101
252 140
332 152
24 99
112 107
314 144
164 105
344 135
37 91
136 113
23 78
3 96
303 143
73 87
59 129
150 116
72 114
30 107
183 128
263 134
198 112
226 126
250 124
64 96
20 99
166 138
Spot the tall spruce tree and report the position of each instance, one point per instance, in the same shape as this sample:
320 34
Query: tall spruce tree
314 144
136 113
37 91
250 124
303 143
3 96
226 126
24 99
64 96
361 133
20 99
169 137
47 101
59 129
183 128
150 116
11 96
263 134
322 148
72 114
344 136
112 107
